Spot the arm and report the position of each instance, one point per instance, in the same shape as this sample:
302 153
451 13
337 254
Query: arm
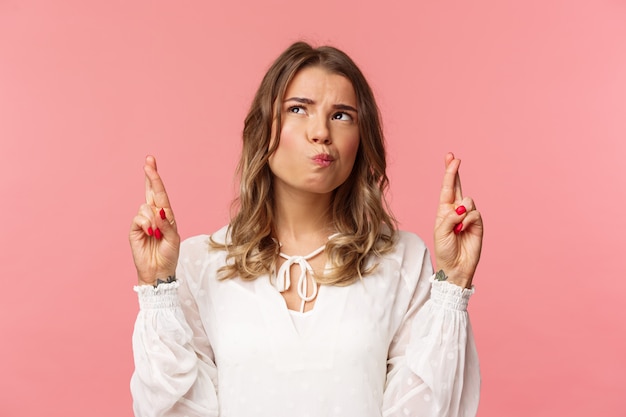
433 365
175 374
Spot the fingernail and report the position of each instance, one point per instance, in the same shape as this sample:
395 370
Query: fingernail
157 234
150 231
457 228
460 210
162 213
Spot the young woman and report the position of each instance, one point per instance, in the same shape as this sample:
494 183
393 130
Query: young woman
310 302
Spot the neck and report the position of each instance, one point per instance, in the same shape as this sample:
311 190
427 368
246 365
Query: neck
302 220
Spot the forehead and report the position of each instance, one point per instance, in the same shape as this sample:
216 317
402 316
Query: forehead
319 84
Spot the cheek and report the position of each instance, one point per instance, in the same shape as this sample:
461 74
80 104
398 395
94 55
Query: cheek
283 145
349 151
286 147
351 147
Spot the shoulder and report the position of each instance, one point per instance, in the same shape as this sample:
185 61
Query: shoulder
221 235
194 243
408 248
410 256
199 261
401 274
408 241
197 249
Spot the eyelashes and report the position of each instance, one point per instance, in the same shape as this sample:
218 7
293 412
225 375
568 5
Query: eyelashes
292 109
341 115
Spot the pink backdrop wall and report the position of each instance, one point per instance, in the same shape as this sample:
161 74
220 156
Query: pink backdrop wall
531 95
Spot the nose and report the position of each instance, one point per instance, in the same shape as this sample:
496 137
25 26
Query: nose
319 131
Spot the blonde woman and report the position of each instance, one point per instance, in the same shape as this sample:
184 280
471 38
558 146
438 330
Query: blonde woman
310 302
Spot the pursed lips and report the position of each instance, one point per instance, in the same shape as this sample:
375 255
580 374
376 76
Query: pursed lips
323 159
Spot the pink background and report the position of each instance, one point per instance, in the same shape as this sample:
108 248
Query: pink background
531 95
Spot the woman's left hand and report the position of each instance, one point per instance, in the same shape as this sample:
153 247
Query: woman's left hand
458 229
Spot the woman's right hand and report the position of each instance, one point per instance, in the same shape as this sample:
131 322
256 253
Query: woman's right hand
154 238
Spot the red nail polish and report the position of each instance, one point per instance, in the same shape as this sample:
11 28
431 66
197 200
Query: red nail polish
162 213
157 234
460 210
457 228
150 231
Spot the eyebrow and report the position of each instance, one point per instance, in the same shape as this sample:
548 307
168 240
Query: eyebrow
304 100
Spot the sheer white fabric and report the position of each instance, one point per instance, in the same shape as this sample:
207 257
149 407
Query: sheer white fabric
395 344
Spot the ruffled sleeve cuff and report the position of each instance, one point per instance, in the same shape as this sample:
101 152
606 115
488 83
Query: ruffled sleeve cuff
449 296
163 296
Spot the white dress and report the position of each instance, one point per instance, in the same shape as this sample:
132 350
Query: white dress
386 345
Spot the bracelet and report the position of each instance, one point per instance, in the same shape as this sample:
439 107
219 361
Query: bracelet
170 279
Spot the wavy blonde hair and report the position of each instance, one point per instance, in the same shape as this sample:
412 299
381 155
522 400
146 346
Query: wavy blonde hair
359 211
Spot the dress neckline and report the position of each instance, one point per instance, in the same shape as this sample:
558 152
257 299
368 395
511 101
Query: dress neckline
282 278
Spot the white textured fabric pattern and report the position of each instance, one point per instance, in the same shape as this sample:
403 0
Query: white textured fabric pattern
396 343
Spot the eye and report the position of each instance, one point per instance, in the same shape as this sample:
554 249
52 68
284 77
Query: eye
295 109
342 116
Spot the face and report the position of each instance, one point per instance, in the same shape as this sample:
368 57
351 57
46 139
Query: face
319 137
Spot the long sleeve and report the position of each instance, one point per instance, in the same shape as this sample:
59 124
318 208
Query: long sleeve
433 365
175 373
394 340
